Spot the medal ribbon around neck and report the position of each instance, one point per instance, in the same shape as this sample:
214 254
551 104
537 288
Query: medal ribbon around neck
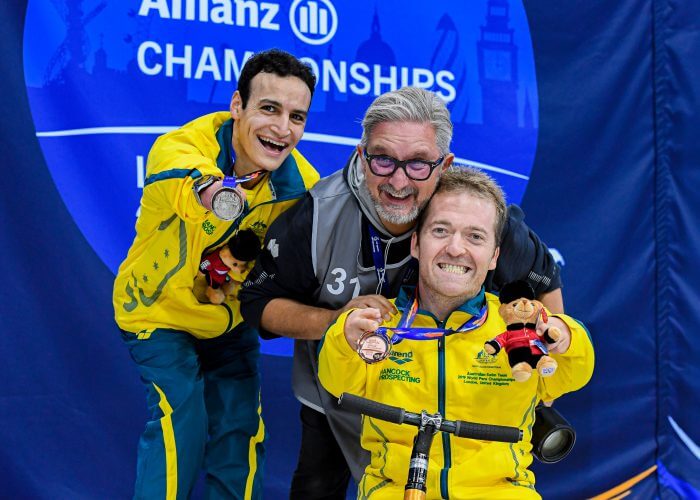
232 180
404 330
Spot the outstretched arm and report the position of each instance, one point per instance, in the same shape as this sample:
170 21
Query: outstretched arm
289 318
278 295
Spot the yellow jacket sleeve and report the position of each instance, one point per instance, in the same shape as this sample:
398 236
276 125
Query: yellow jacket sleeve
175 162
575 365
340 368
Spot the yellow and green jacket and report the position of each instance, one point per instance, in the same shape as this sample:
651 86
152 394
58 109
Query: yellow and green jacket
456 377
153 287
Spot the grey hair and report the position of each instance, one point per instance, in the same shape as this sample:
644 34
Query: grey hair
410 104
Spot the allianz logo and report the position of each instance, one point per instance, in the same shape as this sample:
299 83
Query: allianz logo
313 21
401 358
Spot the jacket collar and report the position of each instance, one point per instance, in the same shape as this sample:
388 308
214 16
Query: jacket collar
472 306
285 182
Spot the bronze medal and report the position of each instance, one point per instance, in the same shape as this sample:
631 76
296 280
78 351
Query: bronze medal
373 347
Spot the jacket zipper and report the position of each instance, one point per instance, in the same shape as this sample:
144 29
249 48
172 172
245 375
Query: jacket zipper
447 454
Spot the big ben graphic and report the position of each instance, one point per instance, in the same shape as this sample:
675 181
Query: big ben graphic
498 67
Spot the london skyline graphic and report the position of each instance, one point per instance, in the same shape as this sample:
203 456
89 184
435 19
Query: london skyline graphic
96 111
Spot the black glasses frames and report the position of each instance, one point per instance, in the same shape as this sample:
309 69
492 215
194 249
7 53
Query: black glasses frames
385 166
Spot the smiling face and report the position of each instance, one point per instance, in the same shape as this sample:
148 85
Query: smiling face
398 199
456 247
521 310
267 130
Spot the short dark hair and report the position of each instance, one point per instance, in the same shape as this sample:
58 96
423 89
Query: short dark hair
274 61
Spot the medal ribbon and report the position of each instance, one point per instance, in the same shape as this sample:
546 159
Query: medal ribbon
233 180
404 330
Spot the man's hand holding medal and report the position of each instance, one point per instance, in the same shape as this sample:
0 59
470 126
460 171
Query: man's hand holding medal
372 342
361 334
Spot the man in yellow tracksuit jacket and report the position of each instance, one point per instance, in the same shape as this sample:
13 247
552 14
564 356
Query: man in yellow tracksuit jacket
199 361
455 243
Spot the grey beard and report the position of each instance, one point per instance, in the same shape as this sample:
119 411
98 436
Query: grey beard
387 214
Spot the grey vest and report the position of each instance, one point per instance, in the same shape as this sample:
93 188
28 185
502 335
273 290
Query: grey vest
336 255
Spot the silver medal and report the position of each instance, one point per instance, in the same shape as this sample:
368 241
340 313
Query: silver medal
227 204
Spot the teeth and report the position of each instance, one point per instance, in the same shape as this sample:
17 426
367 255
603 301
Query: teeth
451 268
400 194
274 143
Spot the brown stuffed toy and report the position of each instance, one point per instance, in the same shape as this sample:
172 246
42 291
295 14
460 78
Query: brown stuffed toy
522 343
224 268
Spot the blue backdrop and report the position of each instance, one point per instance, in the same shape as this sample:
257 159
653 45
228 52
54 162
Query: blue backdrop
586 114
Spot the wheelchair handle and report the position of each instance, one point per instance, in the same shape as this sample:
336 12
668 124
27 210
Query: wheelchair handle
460 428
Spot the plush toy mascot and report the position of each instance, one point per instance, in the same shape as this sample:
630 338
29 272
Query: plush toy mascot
224 268
521 341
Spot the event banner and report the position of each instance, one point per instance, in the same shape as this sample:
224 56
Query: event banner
107 77
585 112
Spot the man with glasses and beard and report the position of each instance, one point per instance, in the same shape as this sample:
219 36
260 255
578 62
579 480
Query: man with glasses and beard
347 245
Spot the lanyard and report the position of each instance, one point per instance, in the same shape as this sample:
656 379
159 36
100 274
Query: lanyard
378 257
405 331
380 264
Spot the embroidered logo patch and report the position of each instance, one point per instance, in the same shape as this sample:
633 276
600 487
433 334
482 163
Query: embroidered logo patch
274 248
208 227
485 358
401 358
259 228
